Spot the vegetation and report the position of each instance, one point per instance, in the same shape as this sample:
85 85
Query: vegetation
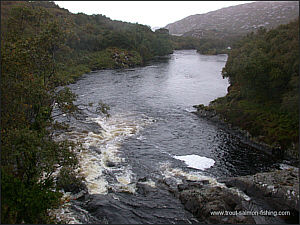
29 155
263 97
43 47
214 46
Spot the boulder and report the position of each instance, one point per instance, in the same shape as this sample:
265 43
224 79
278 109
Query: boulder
279 189
204 201
249 199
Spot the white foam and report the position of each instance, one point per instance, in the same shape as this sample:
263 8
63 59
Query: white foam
178 175
283 166
150 183
106 148
65 213
125 183
93 172
196 161
190 109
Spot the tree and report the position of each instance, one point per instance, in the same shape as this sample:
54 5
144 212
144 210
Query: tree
29 155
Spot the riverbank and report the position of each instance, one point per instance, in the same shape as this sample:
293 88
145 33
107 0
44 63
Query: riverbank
83 62
263 96
216 114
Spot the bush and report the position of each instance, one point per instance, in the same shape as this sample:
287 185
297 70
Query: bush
23 203
69 180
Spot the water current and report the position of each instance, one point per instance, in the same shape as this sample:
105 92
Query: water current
152 138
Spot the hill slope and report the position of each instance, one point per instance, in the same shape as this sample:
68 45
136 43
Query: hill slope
236 20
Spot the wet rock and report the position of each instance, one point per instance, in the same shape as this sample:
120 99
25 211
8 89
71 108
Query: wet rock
125 208
75 187
279 189
86 127
243 198
143 189
182 187
143 179
191 184
110 164
83 195
172 184
204 201
205 181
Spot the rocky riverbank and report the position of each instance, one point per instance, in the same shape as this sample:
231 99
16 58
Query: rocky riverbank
252 199
256 199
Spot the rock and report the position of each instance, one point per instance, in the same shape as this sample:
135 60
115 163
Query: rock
143 189
205 181
202 202
279 188
182 187
243 198
74 188
192 184
110 164
143 179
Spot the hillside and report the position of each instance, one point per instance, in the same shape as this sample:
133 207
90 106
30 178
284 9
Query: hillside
263 97
236 20
94 42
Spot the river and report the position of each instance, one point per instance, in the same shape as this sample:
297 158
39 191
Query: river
151 140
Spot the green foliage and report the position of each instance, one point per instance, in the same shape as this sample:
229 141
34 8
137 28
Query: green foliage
179 42
25 204
114 58
64 100
69 181
29 48
29 158
43 47
214 46
263 71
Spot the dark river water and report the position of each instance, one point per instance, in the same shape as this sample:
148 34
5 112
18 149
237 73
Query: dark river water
152 137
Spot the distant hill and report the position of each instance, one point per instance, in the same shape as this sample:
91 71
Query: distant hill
236 20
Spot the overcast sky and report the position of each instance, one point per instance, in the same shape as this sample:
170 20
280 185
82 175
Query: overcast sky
151 13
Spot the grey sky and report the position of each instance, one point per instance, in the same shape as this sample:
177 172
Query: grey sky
152 13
